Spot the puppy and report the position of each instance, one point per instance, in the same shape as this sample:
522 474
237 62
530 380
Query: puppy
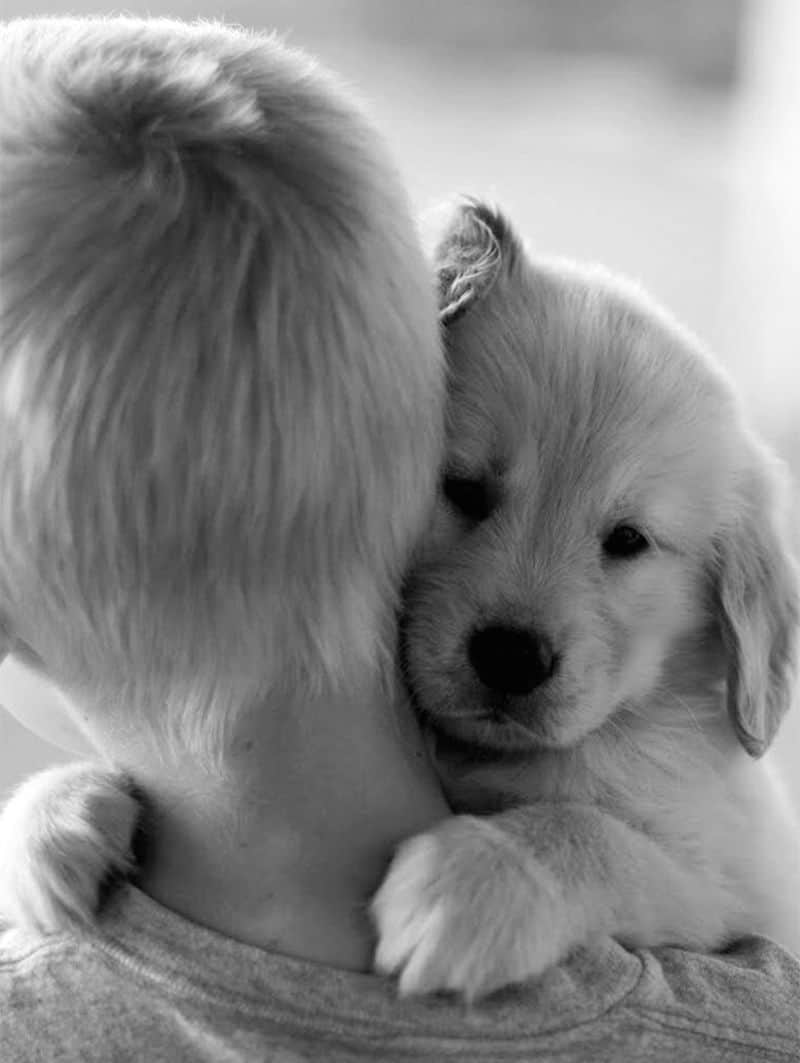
600 637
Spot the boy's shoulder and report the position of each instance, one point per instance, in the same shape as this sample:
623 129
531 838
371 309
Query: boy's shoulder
150 978
54 994
742 1004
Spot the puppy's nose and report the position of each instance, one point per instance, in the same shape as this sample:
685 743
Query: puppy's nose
510 660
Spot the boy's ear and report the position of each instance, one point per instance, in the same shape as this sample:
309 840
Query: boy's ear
477 245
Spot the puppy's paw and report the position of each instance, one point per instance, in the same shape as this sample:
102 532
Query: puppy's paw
63 834
465 908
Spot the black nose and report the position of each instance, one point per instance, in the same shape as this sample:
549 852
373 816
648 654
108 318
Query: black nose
510 660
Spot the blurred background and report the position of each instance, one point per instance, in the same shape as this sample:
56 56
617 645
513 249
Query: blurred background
661 137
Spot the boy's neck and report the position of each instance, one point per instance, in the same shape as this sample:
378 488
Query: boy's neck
286 851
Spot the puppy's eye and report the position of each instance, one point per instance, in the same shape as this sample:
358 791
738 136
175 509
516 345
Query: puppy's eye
471 497
625 541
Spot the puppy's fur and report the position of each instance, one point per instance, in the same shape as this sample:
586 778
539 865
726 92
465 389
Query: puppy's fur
626 794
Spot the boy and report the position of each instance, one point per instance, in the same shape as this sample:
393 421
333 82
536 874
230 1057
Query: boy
221 389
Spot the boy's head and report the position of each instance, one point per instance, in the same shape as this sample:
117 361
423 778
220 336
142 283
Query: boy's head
220 375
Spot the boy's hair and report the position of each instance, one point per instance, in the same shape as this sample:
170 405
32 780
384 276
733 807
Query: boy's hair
220 372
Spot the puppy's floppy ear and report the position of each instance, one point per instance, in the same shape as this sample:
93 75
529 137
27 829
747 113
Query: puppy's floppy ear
760 615
477 245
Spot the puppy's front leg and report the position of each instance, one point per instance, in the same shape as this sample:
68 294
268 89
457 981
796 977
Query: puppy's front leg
479 903
63 833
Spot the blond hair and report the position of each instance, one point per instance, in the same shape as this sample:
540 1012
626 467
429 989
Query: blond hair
220 374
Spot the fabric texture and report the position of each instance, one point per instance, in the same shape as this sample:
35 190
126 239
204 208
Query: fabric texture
149 985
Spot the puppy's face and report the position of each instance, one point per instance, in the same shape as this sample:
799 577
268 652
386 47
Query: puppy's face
594 459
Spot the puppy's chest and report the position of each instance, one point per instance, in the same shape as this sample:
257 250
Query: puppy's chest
496 785
668 804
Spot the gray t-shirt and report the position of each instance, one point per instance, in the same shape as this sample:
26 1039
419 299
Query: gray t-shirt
149 985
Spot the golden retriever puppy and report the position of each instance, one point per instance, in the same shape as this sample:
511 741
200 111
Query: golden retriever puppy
600 632
600 635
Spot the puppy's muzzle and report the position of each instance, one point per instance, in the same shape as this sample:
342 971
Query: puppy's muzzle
511 660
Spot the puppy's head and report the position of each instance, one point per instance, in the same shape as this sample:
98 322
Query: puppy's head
607 531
